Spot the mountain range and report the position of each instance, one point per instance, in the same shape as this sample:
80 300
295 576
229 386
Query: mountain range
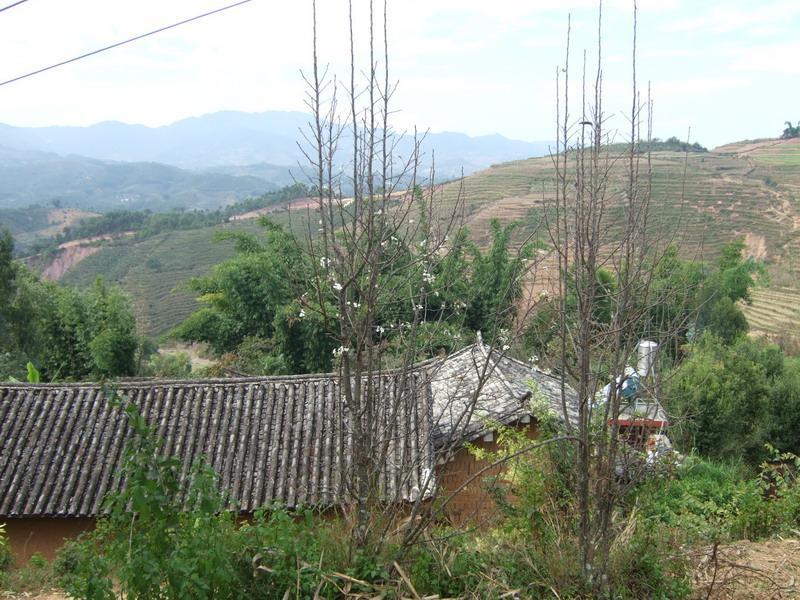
199 162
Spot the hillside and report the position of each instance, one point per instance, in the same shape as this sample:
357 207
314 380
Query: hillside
33 177
748 189
155 272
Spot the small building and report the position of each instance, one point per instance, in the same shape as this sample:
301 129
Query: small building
285 440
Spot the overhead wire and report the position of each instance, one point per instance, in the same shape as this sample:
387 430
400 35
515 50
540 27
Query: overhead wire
122 43
13 5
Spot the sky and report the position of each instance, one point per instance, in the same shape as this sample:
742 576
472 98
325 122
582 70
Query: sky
719 70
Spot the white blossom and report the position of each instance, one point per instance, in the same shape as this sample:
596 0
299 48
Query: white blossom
337 286
302 313
324 261
340 350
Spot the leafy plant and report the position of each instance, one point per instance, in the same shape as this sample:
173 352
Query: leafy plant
162 539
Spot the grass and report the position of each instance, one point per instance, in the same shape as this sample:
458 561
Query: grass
38 576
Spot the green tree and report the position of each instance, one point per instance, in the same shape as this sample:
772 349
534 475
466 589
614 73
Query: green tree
791 131
728 285
7 280
65 333
723 396
494 281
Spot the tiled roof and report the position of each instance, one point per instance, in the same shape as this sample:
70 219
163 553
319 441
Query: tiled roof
507 390
270 439
284 439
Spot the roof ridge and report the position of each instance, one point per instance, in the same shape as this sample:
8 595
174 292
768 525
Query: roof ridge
139 382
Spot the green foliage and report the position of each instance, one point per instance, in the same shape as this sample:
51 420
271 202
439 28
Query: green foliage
25 220
449 569
170 365
710 501
36 576
63 333
165 538
673 299
731 399
671 144
33 373
145 224
791 131
647 565
8 272
286 551
83 568
250 308
162 539
261 316
724 288
534 548
494 281
6 558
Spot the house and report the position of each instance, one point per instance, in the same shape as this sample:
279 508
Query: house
284 440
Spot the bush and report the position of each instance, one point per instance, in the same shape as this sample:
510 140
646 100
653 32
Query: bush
710 501
649 565
36 576
280 551
158 541
172 365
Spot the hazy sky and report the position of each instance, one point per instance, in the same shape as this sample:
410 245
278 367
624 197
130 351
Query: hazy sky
729 69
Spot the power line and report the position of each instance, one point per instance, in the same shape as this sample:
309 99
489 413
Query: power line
12 5
122 43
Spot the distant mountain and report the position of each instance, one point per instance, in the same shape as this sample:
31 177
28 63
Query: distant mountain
231 138
33 177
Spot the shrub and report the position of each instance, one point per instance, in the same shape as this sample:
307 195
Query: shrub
710 501
649 564
172 365
6 557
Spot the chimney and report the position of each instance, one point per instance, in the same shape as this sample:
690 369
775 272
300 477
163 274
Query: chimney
647 358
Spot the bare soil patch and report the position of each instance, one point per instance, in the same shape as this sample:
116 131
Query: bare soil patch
65 260
769 570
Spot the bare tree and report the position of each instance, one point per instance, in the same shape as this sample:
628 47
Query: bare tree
379 236
608 254
375 239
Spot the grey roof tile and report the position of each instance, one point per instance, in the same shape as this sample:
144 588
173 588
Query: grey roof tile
269 440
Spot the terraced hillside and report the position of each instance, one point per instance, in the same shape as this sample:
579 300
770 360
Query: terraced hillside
155 272
701 201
